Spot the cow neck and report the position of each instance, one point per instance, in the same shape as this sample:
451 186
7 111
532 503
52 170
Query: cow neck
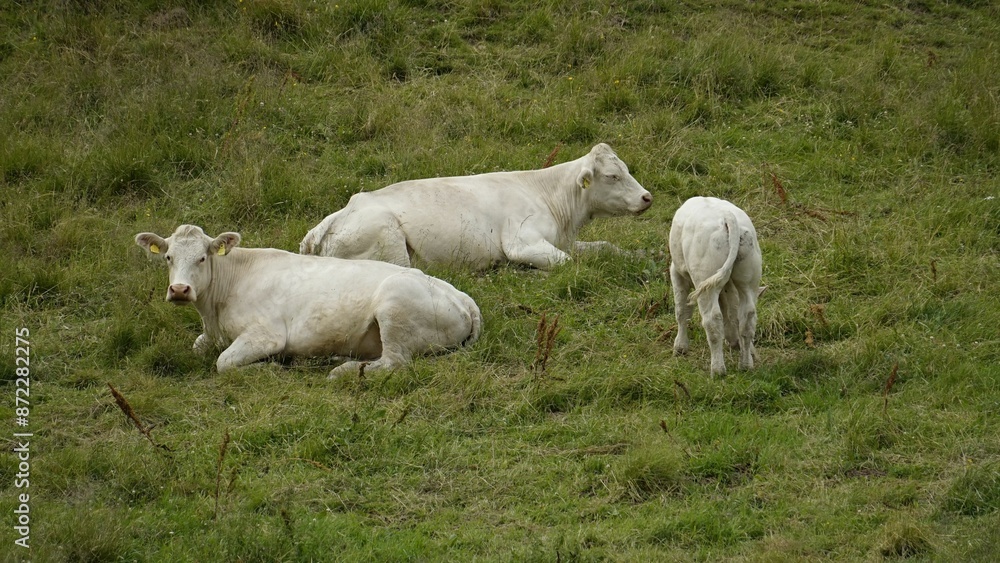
226 271
566 201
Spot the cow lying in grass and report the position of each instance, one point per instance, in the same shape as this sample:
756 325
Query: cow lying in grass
714 250
527 217
262 302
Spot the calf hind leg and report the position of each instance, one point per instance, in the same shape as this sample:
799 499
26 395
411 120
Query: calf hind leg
729 301
681 286
712 321
748 326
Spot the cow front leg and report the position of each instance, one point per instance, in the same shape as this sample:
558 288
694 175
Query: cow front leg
681 286
250 347
541 254
202 344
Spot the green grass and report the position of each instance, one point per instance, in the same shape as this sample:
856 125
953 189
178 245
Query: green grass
879 122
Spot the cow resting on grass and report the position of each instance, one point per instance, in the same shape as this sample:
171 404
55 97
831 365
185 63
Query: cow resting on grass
714 250
261 302
527 217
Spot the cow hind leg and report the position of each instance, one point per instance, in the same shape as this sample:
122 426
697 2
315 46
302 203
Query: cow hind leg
415 318
394 355
682 286
354 366
375 236
712 321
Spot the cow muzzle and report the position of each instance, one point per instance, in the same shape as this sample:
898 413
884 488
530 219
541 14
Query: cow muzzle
180 293
644 203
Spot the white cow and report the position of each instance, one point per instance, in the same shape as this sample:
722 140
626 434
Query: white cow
714 250
526 217
261 302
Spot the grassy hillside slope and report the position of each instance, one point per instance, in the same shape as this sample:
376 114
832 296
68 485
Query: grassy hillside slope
863 138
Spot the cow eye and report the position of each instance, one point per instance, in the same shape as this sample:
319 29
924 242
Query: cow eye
202 260
169 258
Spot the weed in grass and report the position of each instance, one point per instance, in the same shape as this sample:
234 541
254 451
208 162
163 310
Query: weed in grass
905 540
976 492
650 471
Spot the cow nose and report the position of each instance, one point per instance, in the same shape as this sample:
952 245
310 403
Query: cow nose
179 292
647 198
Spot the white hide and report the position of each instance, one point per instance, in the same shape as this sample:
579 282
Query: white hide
264 302
526 217
714 251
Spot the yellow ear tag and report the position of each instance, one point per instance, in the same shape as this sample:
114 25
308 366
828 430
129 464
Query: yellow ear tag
154 249
586 183
222 250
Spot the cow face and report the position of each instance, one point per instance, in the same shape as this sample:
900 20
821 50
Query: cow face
189 254
611 190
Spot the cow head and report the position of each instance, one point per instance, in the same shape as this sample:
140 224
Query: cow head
612 191
189 254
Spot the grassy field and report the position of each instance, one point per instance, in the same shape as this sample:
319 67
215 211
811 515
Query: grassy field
863 138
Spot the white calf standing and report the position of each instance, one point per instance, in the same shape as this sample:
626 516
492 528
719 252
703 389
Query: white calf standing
714 250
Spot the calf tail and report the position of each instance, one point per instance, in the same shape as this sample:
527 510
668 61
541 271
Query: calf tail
721 277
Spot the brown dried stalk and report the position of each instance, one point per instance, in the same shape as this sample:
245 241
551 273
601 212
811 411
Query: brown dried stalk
129 412
888 387
819 311
677 399
552 156
223 448
778 187
545 339
666 334
678 384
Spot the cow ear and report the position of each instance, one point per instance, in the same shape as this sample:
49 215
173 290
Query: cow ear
761 290
583 180
224 243
154 244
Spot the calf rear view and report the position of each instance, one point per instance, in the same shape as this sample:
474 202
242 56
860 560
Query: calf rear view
714 251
